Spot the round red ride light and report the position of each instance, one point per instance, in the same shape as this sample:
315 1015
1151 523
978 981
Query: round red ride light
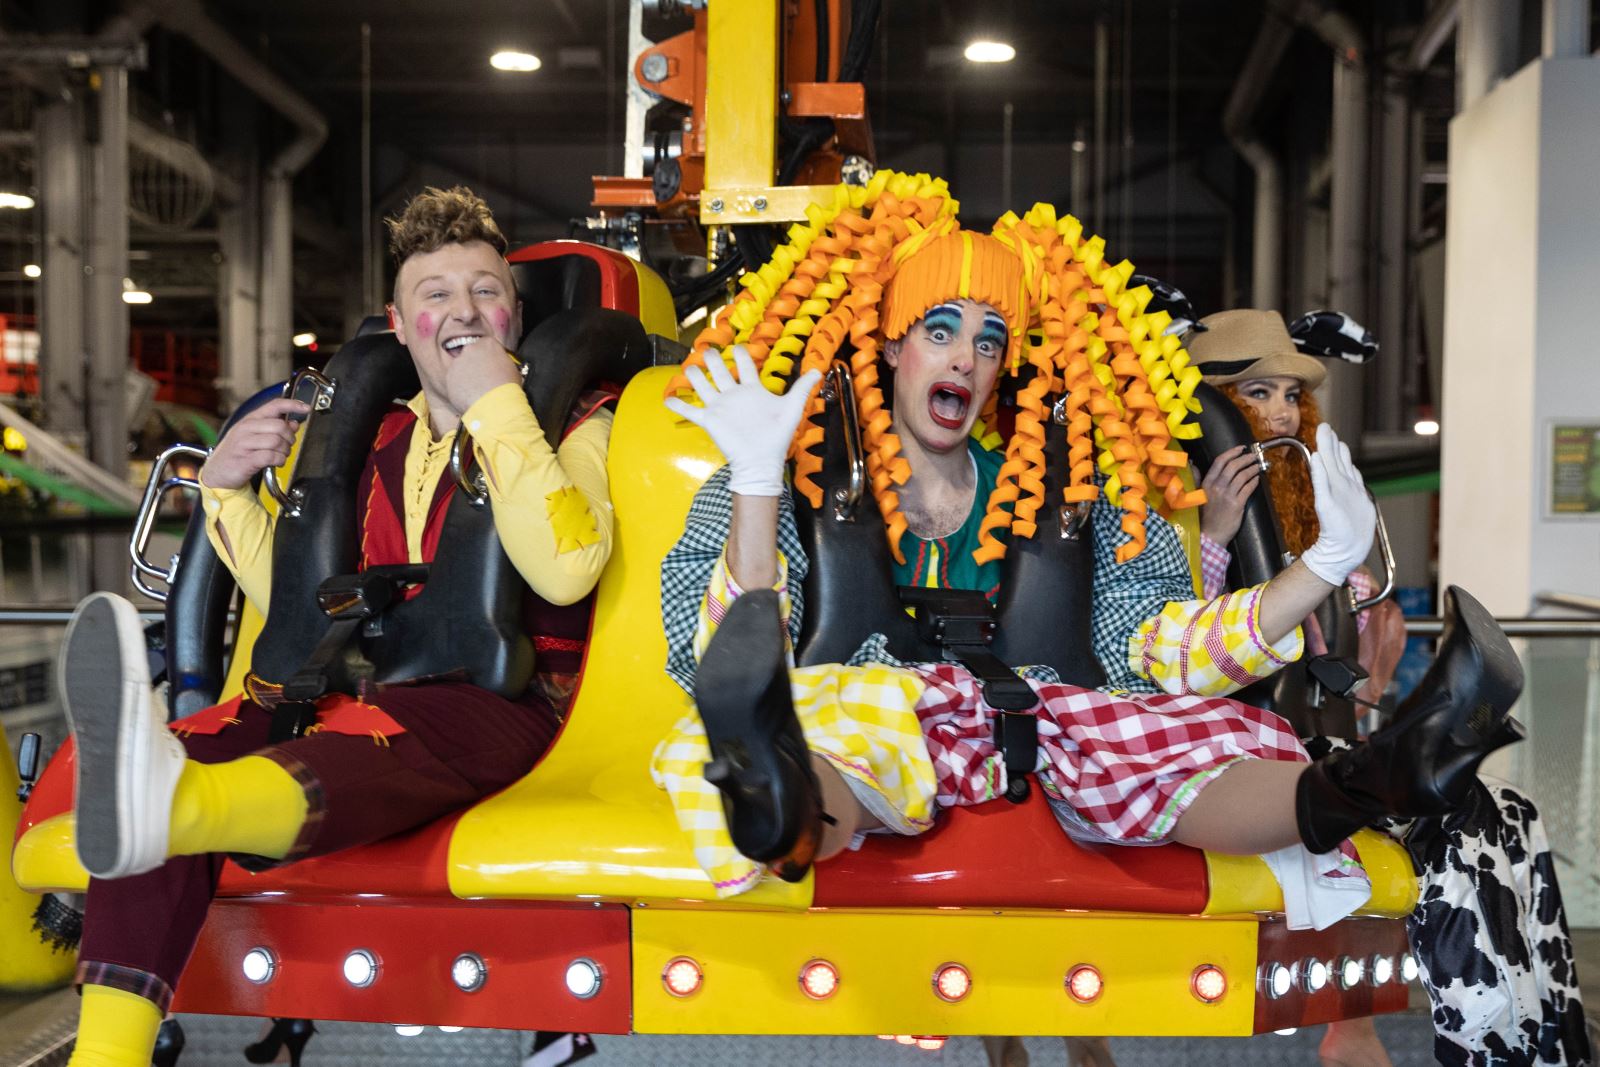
819 979
1209 983
932 1044
952 983
1084 984
904 1039
682 977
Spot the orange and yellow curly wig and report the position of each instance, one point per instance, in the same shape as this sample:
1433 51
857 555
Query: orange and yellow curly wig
1126 388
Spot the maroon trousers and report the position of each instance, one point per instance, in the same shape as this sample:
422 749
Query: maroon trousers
459 744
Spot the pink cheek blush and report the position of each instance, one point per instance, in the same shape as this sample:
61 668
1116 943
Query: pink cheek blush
502 321
426 327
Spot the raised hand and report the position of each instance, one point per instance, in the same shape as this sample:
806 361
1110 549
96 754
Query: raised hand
1232 477
1345 512
260 439
478 367
751 425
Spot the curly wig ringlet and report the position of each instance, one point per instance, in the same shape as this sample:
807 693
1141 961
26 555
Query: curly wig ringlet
1126 388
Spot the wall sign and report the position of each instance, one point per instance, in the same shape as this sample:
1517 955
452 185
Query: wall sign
1574 469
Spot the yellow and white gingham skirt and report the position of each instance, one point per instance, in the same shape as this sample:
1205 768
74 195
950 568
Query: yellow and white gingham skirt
863 720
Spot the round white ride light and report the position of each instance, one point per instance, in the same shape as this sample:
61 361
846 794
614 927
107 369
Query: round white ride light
952 982
361 968
583 978
1380 969
1409 968
1084 984
819 979
682 976
1350 972
469 972
1208 983
409 1030
1276 980
259 965
1312 974
451 1029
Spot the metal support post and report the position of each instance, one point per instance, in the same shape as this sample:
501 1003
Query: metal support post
277 279
59 130
1486 47
107 318
1566 29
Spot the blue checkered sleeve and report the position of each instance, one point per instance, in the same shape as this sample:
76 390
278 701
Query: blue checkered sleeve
1126 594
687 569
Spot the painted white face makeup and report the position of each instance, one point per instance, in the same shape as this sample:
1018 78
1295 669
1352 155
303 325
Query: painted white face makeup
1276 402
945 368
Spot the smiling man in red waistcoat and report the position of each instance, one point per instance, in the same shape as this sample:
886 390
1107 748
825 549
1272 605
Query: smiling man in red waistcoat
157 815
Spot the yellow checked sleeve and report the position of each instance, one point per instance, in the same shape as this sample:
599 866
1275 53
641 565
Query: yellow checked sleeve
240 529
552 507
1210 647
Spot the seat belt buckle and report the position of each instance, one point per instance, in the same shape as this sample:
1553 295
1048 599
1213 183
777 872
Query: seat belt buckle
1017 736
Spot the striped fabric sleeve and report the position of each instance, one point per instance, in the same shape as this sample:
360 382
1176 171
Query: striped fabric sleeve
1214 560
1210 647
723 591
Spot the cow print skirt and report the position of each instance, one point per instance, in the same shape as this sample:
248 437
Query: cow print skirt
1490 933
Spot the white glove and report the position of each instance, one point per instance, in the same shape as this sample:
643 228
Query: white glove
751 425
1346 514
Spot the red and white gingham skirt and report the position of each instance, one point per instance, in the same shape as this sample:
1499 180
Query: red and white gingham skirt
1127 765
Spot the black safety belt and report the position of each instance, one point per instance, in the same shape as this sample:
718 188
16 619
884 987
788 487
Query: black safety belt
962 623
350 601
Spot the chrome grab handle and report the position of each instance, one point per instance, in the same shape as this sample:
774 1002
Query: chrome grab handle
1385 549
321 400
156 487
468 480
841 386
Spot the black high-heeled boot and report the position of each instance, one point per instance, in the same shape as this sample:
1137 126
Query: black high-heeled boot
169 1044
285 1033
1423 763
759 758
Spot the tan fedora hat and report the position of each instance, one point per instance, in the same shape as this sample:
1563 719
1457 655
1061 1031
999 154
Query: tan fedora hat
1244 344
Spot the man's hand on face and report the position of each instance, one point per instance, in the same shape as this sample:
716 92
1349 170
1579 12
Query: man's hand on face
476 368
261 439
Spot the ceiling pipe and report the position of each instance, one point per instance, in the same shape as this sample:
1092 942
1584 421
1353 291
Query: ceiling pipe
1238 116
1566 29
1436 29
189 19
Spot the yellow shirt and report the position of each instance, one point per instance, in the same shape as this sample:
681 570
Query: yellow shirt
552 507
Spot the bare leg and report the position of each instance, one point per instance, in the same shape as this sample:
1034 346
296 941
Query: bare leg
849 817
1089 1052
1247 810
1005 1052
1352 1043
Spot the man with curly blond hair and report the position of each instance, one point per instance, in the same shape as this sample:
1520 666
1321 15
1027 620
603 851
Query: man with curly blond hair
156 814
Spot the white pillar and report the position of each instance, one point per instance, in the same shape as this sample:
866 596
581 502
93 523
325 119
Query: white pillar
58 132
1522 271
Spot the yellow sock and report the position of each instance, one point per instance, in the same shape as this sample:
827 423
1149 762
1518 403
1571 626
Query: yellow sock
245 805
115 1029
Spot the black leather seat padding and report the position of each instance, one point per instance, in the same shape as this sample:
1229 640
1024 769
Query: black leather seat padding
1257 556
850 592
467 620
547 286
197 607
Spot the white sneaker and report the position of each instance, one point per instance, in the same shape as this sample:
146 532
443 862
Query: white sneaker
128 761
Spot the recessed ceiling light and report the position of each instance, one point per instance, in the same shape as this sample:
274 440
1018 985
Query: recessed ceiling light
990 52
19 201
32 270
520 62
301 340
